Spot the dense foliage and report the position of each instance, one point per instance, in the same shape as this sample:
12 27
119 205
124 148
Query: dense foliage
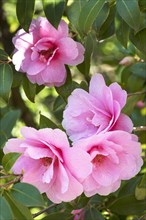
113 33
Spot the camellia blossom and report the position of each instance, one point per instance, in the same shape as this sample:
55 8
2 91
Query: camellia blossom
96 111
43 52
115 156
49 163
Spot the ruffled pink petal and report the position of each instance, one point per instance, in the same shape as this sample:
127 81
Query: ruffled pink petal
97 84
67 50
123 123
74 189
75 158
13 145
63 29
118 94
55 73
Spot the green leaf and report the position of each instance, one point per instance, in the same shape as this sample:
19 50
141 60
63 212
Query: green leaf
127 205
93 214
20 211
101 18
3 55
6 212
6 79
140 191
54 10
122 30
46 122
8 121
89 13
73 12
9 160
27 194
24 11
108 27
130 12
85 66
129 187
139 40
139 69
131 102
29 89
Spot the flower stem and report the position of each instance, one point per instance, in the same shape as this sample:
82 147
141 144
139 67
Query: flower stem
140 128
44 210
137 93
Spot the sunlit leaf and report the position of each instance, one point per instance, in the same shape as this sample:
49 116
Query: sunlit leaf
27 194
88 14
140 192
9 160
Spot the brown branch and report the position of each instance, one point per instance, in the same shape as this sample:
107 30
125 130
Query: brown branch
44 210
137 93
11 182
140 128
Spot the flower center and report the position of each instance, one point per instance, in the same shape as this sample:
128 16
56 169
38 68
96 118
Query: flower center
46 54
46 161
98 159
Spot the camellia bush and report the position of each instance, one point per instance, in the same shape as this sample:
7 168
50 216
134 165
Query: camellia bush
73 113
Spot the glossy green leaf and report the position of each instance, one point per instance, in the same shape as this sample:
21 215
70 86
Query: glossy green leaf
29 89
108 27
54 10
139 69
85 66
6 212
93 214
6 79
129 187
3 55
27 194
127 205
101 18
9 160
130 12
140 191
46 122
139 40
24 11
8 121
73 12
89 13
122 31
20 211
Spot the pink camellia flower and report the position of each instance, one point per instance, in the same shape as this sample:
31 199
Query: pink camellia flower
115 156
96 111
43 52
48 163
